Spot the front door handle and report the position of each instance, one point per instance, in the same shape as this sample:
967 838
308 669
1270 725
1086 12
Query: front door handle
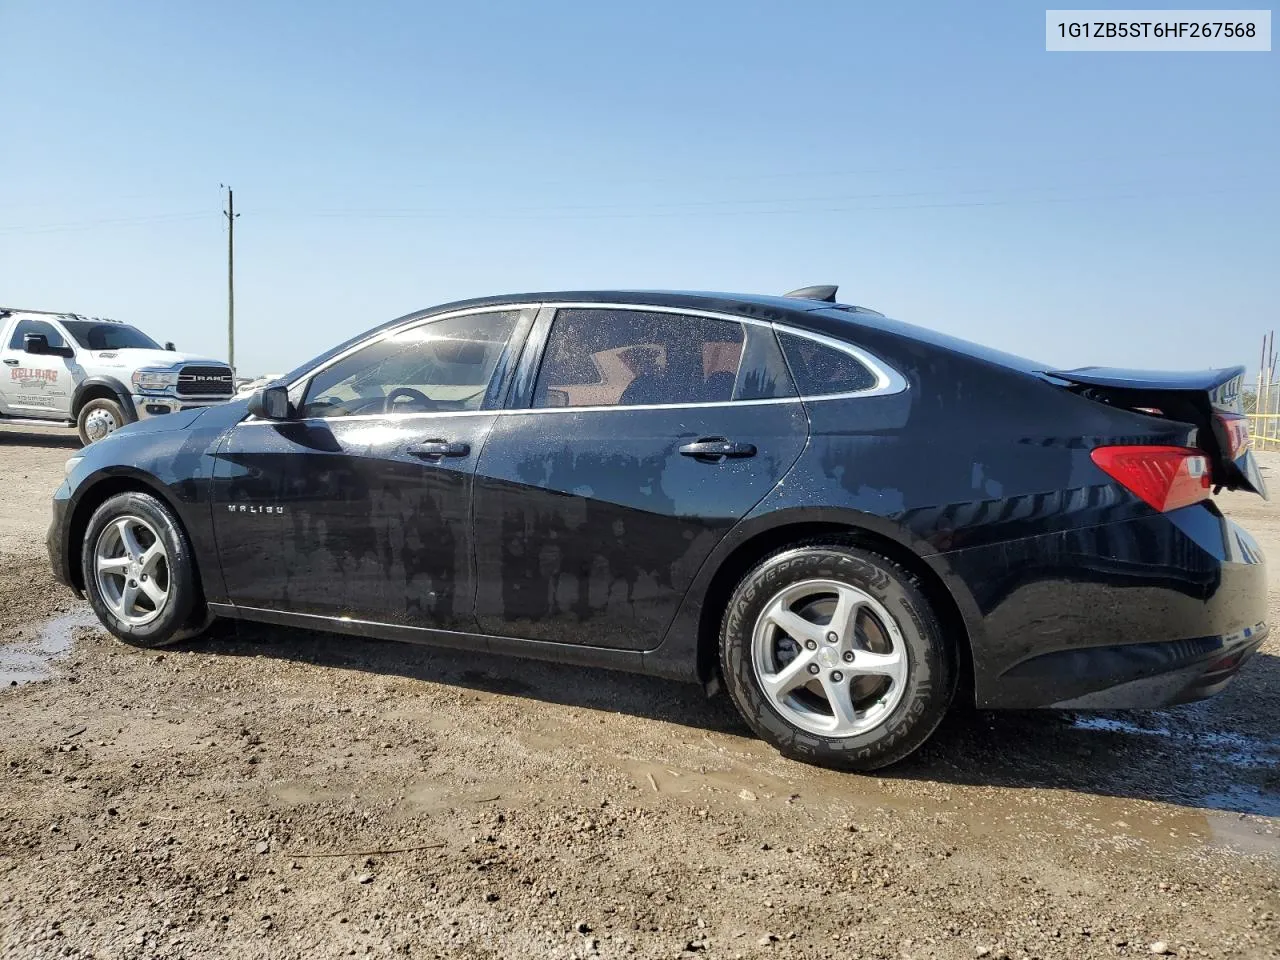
11 362
439 448
717 449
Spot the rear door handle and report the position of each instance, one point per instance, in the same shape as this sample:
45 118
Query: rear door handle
439 448
11 362
716 449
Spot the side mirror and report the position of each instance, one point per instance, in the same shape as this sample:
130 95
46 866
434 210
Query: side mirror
38 344
270 403
168 345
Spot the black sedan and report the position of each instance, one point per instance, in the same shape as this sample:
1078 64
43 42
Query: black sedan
845 520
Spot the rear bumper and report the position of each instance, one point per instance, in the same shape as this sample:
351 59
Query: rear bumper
1162 674
1141 613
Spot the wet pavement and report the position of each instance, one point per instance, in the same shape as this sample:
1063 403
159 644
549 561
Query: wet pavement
27 662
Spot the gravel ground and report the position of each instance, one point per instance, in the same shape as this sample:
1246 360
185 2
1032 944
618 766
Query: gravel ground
265 792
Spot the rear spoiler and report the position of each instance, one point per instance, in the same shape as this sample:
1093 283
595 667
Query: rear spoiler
1209 399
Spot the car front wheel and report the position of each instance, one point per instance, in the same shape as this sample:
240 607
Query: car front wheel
139 574
833 654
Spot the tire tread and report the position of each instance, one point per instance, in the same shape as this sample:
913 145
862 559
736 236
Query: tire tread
809 747
186 615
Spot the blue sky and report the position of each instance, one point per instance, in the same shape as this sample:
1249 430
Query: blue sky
932 159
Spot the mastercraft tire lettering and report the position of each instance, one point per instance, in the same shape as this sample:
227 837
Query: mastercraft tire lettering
833 654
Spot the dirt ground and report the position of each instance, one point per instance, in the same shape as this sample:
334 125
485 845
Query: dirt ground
265 792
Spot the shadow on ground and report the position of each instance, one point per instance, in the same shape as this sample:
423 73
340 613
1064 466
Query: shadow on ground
1194 756
14 437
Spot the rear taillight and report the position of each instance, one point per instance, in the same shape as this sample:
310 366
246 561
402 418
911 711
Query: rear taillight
1236 428
1165 477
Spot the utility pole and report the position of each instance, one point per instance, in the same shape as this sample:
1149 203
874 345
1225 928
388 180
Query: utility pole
230 214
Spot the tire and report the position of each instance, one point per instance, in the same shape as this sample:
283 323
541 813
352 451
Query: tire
886 713
133 613
94 416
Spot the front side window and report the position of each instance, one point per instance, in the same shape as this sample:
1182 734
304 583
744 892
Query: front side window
95 335
610 358
821 369
437 366
18 340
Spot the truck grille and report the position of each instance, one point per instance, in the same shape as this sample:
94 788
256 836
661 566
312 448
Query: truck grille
206 382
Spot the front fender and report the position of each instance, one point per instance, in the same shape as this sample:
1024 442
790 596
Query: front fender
176 465
117 388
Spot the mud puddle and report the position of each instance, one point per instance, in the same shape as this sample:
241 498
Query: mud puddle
739 775
31 661
1227 748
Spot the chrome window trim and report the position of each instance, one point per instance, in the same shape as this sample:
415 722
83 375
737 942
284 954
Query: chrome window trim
408 325
888 380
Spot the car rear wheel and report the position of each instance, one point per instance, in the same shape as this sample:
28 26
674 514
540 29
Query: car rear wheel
138 572
99 418
833 654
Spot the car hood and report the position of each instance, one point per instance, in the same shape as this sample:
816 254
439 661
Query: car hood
133 358
216 417
180 420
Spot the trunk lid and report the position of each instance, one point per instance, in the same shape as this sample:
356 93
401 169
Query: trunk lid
1208 399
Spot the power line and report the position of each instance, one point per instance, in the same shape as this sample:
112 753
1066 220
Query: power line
106 221
661 212
1231 151
1227 151
690 210
633 206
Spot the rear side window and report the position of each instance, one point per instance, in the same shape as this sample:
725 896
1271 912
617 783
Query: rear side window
18 340
819 369
610 358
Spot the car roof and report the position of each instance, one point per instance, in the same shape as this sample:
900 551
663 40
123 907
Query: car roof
744 303
840 320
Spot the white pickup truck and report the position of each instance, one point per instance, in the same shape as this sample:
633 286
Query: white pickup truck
97 375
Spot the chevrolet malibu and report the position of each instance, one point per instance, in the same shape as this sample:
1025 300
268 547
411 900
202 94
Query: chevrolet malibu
847 521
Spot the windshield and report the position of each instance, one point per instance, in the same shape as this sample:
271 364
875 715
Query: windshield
94 335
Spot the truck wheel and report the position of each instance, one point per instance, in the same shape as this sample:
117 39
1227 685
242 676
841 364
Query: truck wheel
833 655
98 418
139 574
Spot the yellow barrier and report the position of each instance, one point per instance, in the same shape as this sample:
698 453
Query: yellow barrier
1264 430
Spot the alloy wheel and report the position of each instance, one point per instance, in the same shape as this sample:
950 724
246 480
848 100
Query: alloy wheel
829 657
132 570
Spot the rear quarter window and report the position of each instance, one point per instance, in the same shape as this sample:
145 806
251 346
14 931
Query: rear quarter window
820 369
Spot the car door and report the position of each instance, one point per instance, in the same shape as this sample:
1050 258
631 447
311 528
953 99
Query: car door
646 435
359 507
36 385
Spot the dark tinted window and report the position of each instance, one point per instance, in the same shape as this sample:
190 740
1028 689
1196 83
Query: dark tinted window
608 358
18 340
441 365
820 369
94 335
